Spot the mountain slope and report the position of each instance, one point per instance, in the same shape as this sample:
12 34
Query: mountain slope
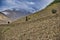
43 25
44 13
3 19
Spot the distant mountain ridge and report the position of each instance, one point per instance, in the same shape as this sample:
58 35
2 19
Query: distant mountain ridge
3 19
17 13
13 14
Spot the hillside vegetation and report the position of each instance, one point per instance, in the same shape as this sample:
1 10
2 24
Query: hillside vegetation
56 1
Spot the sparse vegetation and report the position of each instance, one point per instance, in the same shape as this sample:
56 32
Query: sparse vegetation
54 11
56 1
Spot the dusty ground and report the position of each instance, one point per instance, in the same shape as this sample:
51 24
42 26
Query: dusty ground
43 25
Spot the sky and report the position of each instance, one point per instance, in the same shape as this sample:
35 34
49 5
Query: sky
29 5
20 8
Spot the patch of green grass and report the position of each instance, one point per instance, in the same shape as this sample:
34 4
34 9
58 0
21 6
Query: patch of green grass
56 1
